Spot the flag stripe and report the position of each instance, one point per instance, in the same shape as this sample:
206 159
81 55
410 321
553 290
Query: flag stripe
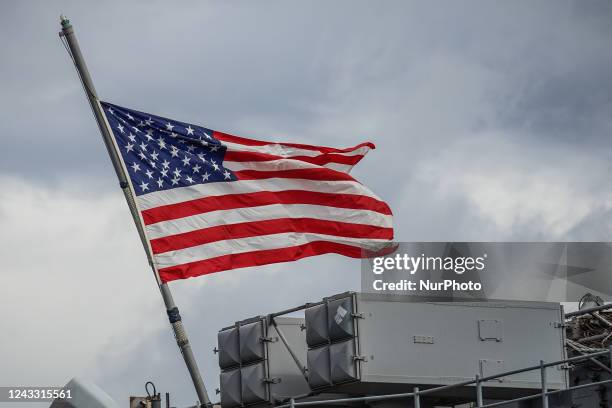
287 151
260 242
322 159
268 227
321 173
183 194
267 212
224 137
257 258
284 164
230 201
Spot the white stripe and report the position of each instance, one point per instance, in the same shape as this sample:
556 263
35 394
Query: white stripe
275 165
267 212
280 150
181 194
262 242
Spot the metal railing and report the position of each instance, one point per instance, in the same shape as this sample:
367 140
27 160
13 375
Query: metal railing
478 381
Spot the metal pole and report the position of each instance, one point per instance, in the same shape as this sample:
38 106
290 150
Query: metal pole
478 391
417 398
173 312
544 387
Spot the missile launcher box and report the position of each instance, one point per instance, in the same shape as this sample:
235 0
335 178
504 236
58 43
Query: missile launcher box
256 366
377 344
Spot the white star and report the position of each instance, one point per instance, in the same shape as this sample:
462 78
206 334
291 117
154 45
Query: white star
132 137
149 135
161 142
206 135
143 146
144 186
174 151
130 117
121 128
174 135
191 148
152 163
149 174
201 157
136 129
142 155
110 110
227 174
154 155
177 172
215 165
160 182
136 167
149 122
129 147
169 126
141 124
214 148
196 168
189 179
164 172
166 164
205 176
189 130
175 181
186 160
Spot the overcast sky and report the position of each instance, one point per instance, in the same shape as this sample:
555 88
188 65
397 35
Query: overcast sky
492 121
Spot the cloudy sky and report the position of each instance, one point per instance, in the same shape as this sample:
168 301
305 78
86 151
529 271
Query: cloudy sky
492 121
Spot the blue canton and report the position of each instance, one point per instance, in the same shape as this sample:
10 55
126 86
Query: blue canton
161 154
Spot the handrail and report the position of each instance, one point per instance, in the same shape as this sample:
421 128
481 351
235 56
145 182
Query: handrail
476 381
589 310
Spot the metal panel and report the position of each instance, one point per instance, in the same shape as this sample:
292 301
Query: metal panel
491 367
490 329
316 325
386 333
319 370
251 342
275 374
229 351
342 361
340 318
254 385
230 388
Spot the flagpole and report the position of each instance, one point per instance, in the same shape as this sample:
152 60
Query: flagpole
173 313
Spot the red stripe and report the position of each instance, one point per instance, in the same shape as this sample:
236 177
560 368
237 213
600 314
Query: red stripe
253 142
256 258
231 201
321 174
322 159
268 227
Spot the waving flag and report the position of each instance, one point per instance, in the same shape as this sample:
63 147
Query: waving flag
211 202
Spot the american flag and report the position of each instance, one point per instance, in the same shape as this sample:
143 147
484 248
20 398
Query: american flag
210 201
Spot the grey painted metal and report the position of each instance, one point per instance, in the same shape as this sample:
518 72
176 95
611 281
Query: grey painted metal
92 97
478 391
294 356
282 375
436 390
588 311
417 397
544 385
400 345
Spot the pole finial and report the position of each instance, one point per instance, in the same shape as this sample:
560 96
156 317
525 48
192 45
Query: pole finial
64 20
